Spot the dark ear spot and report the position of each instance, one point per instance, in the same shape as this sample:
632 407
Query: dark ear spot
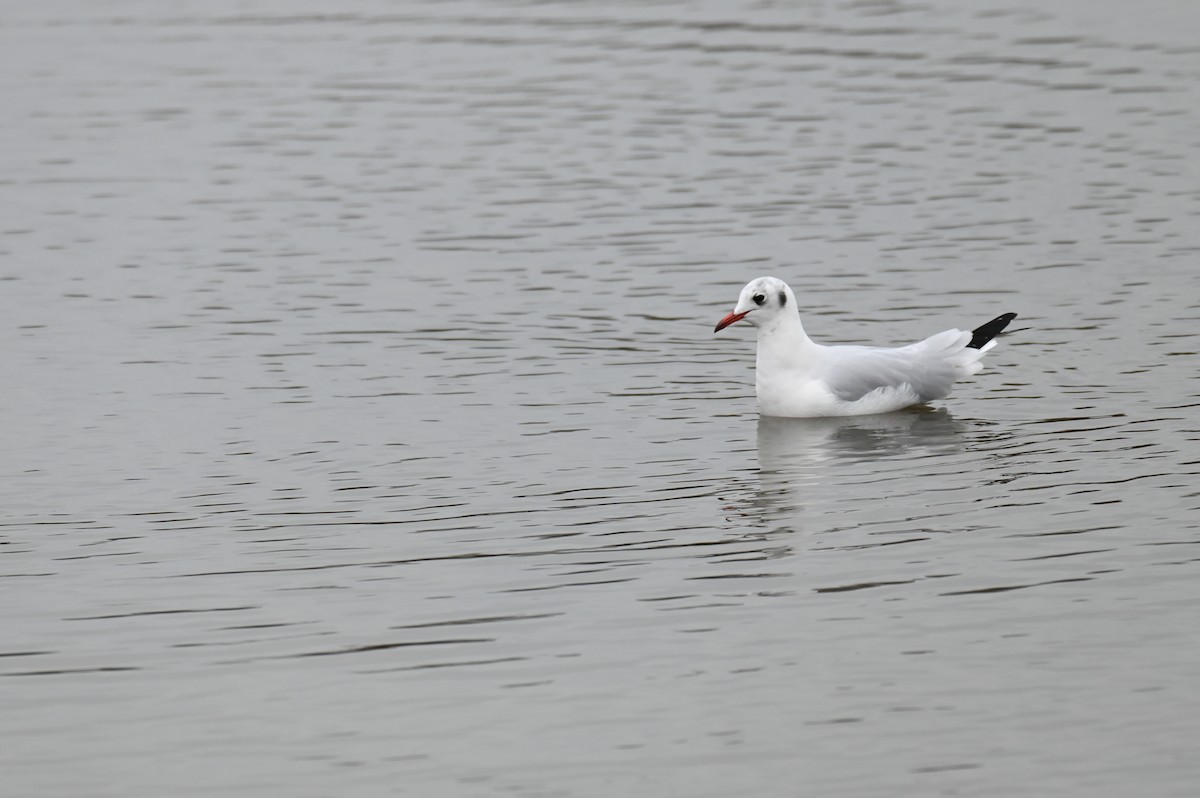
782 298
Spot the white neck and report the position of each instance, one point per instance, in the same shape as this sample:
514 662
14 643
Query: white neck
784 346
786 327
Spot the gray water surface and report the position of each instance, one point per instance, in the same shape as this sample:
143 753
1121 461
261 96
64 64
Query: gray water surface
365 433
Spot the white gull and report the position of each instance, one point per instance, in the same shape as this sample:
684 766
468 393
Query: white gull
797 377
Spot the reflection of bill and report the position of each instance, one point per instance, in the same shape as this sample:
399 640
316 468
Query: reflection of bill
817 466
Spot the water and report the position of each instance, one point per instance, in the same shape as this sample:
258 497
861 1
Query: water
366 434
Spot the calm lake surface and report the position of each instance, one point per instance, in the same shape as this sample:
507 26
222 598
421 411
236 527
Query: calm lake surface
365 432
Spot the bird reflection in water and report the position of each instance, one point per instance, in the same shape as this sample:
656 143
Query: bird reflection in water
809 467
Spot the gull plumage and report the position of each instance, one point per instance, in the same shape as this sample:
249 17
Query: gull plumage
797 377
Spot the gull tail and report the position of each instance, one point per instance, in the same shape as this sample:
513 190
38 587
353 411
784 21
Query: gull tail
984 333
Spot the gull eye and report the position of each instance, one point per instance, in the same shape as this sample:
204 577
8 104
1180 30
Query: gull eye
759 299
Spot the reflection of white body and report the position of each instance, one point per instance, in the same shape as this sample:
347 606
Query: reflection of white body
837 466
789 446
796 377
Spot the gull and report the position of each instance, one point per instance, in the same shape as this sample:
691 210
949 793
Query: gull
799 378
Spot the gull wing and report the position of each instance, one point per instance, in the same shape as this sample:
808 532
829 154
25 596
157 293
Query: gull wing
928 369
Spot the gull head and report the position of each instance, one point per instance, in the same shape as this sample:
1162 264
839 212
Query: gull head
760 302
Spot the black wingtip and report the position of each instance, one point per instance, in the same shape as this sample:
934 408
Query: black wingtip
984 333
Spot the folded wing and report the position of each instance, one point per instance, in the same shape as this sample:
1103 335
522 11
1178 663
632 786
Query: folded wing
926 369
